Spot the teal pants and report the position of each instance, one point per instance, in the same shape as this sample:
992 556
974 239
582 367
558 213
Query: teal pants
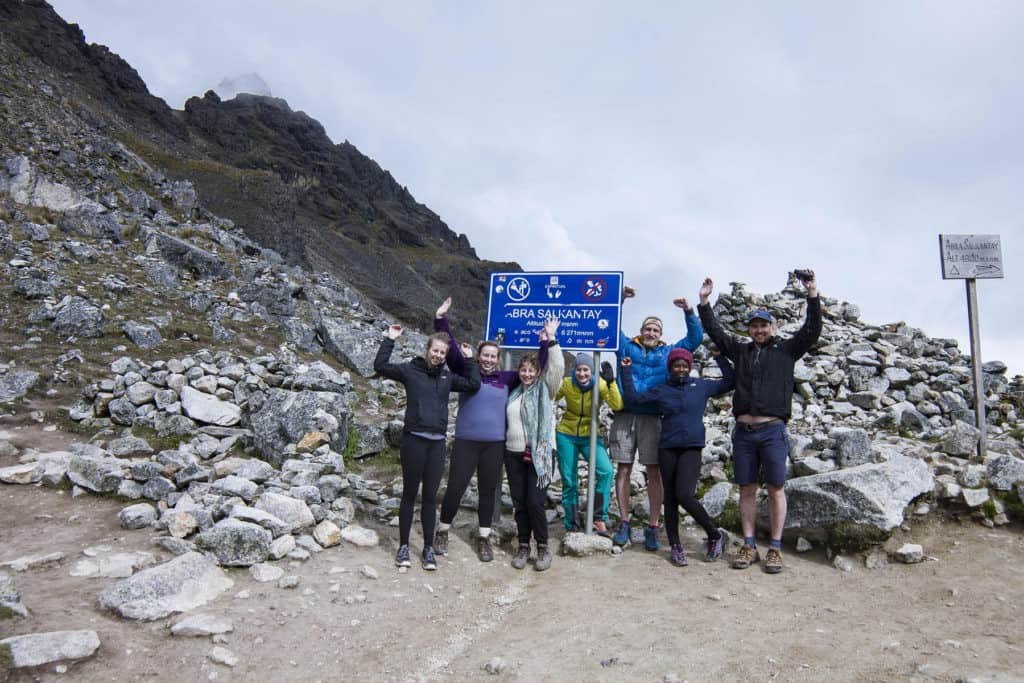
570 448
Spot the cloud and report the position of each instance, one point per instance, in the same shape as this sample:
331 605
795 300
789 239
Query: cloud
669 141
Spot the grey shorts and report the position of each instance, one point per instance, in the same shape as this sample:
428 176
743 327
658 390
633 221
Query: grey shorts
634 433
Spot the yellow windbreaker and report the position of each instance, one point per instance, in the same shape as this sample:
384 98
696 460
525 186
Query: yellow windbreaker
576 420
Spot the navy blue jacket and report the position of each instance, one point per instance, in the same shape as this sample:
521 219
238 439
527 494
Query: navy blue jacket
681 404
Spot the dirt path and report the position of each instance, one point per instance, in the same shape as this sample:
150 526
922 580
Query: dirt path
632 617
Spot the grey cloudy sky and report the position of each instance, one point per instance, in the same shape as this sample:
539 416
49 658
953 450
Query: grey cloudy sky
667 140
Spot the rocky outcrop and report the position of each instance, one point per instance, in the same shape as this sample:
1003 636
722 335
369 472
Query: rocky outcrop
184 583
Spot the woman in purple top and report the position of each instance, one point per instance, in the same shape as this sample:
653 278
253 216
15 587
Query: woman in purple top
479 436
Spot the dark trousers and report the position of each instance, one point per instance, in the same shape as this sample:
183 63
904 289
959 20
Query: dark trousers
528 500
422 463
482 457
680 470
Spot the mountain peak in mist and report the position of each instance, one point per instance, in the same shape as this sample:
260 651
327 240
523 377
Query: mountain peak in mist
251 83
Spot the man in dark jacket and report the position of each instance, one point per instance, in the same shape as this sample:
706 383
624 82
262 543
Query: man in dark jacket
762 405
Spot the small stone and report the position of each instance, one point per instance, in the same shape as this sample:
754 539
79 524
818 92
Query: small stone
842 563
360 536
198 625
222 655
910 553
282 546
495 666
369 572
580 545
37 649
137 516
32 561
290 581
803 545
327 534
265 573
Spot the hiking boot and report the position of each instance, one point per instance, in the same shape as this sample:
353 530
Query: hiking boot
441 542
773 561
651 539
678 556
402 557
600 527
483 549
428 560
621 538
746 557
543 558
714 547
521 556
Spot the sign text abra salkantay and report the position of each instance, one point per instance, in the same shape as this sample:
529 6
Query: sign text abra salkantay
587 303
970 256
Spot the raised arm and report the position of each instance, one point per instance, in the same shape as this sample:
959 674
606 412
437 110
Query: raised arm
694 331
454 357
555 369
726 343
610 393
717 387
808 334
629 391
471 382
382 362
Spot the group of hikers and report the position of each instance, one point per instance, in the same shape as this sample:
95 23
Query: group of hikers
508 418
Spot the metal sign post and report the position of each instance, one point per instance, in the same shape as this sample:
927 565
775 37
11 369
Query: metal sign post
588 305
595 407
969 258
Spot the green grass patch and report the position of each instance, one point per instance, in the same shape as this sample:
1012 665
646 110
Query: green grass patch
6 659
158 442
7 613
1012 504
847 537
730 517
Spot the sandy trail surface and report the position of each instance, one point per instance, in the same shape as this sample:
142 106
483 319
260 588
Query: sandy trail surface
631 617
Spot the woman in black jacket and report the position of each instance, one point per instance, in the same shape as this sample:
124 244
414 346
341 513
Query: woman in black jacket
427 384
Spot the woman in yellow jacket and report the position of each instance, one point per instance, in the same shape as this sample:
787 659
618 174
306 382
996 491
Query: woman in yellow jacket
572 438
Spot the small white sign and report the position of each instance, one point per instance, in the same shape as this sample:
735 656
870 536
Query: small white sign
970 256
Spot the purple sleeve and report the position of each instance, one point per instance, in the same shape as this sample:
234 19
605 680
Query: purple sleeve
454 357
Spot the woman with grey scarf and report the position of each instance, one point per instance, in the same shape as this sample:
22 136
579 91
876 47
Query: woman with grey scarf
529 441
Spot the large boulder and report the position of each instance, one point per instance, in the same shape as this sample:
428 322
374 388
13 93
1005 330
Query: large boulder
204 264
203 407
715 499
95 473
853 447
184 583
319 376
286 416
142 335
236 543
88 222
77 317
16 383
353 346
295 513
1004 472
960 440
866 497
37 649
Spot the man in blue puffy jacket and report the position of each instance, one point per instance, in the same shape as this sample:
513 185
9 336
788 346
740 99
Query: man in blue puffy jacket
636 429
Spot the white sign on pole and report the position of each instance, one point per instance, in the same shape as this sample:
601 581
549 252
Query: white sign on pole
970 256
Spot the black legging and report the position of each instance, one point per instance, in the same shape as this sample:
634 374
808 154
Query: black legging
528 500
680 470
482 457
422 461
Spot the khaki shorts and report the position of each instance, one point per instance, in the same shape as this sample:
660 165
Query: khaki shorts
631 433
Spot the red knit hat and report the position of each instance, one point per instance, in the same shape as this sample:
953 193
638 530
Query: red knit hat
676 354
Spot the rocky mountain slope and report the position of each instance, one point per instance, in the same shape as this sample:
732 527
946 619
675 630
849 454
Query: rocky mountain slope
273 171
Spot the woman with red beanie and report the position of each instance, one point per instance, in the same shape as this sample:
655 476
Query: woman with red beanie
682 401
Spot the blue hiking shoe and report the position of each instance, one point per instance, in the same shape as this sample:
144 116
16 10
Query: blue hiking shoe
428 560
402 557
678 556
714 547
651 539
621 537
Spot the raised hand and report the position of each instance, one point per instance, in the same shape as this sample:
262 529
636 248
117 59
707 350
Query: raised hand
682 303
811 285
551 328
466 349
394 332
607 374
628 292
706 288
442 310
626 361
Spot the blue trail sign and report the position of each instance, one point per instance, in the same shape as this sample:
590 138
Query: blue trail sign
587 303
